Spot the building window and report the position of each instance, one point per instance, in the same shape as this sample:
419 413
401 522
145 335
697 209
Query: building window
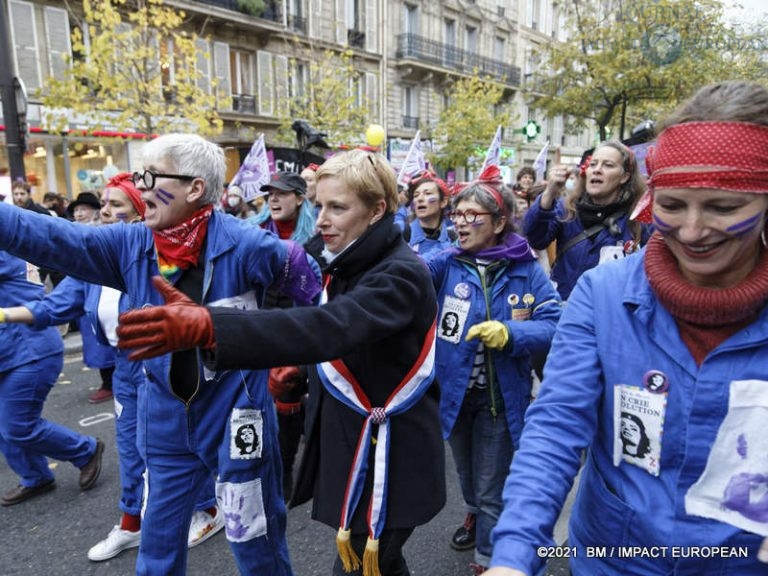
410 107
241 71
499 45
410 19
471 39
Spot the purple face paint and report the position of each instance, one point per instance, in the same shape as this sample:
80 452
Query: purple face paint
741 446
165 193
738 496
161 195
746 226
121 216
432 199
660 224
477 223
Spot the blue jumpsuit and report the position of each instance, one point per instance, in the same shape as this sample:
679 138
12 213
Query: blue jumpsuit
30 363
613 336
73 299
187 439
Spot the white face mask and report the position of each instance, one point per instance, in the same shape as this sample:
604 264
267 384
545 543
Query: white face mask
233 201
570 185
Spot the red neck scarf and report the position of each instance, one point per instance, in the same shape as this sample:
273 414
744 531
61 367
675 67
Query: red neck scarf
179 246
705 317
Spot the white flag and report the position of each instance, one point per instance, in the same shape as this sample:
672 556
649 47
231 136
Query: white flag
493 157
414 161
540 164
254 171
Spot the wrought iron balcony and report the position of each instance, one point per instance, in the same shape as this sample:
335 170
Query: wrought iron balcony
243 103
440 54
410 122
271 8
297 23
356 38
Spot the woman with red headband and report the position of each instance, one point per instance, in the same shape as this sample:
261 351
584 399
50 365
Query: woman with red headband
497 307
590 225
98 306
672 341
429 231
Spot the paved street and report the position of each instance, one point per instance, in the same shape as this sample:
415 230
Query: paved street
51 534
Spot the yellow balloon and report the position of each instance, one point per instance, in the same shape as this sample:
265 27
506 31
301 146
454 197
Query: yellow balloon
374 135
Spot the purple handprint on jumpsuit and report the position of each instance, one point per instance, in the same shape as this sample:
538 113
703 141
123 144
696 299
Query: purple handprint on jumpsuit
234 522
738 495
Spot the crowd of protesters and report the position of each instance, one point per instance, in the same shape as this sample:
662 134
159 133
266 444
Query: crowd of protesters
378 320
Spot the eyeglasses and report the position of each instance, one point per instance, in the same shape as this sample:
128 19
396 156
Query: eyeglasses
149 178
469 215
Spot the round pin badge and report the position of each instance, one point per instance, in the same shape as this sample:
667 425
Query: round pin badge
513 299
461 290
655 381
528 299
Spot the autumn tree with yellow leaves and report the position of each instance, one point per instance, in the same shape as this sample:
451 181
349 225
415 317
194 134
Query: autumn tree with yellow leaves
134 68
475 110
624 62
329 97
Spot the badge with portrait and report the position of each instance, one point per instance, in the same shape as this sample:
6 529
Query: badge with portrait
246 434
638 426
453 317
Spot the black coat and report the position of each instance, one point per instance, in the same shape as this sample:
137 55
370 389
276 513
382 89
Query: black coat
381 303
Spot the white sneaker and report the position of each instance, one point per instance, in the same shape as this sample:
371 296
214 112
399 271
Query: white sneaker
115 542
203 526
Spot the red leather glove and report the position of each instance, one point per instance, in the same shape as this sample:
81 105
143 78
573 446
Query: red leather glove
178 325
282 379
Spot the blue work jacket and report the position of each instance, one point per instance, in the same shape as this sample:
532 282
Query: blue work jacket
614 333
22 344
520 296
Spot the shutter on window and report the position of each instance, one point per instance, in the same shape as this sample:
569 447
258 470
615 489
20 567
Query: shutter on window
59 42
340 19
203 65
24 36
223 81
281 84
371 26
266 84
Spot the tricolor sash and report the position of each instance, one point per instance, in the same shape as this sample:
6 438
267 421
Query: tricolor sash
342 385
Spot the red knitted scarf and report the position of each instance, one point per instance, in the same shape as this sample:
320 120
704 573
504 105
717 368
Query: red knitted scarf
705 317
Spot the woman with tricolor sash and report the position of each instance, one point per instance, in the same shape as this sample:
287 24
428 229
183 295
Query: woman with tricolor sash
374 459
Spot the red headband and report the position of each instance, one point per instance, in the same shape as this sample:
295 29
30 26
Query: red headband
124 181
489 180
723 155
427 176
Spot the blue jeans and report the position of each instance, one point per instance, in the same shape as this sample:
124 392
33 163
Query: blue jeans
26 439
482 449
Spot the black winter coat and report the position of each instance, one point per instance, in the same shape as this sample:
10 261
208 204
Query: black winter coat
381 303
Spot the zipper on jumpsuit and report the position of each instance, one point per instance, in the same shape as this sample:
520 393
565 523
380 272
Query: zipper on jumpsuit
488 359
207 276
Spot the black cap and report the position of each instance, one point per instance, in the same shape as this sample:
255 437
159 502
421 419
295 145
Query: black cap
288 181
87 198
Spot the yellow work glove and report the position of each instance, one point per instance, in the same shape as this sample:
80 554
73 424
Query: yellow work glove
493 334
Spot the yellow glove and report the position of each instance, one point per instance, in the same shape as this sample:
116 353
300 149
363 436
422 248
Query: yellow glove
492 333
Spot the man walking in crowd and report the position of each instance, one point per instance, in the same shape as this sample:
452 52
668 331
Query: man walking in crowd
190 415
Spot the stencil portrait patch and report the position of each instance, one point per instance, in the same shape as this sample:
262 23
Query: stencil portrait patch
246 434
